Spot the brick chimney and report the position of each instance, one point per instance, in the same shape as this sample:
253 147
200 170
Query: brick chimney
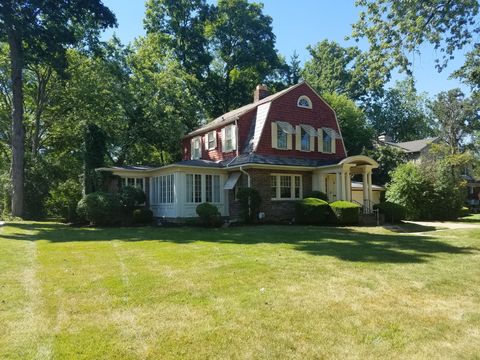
261 92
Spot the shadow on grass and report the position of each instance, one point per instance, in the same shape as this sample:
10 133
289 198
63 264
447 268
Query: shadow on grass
405 227
343 243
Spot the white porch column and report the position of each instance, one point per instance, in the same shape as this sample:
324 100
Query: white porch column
322 178
370 191
348 184
339 183
365 186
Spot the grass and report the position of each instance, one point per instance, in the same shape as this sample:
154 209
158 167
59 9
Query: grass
255 292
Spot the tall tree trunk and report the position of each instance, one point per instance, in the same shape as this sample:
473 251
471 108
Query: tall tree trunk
18 132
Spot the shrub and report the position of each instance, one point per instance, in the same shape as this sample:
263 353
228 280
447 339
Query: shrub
250 201
142 216
131 197
62 201
464 211
100 208
393 212
345 212
317 195
209 215
312 211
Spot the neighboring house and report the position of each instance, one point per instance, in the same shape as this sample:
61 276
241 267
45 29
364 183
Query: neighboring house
414 149
285 145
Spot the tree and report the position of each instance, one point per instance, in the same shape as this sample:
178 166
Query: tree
388 158
40 31
357 134
333 68
294 70
396 30
400 113
182 22
456 118
470 71
243 49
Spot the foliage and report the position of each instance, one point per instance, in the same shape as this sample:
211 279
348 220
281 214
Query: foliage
456 118
433 191
398 29
400 113
100 208
243 48
357 134
464 211
209 215
334 69
388 158
131 197
312 211
250 201
345 212
142 216
317 195
95 150
470 71
63 200
393 213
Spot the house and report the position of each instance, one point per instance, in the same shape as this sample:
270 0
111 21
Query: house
285 145
414 149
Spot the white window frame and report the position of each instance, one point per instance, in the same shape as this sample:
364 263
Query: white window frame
332 139
196 141
306 98
211 140
191 190
292 186
229 144
302 133
163 189
136 180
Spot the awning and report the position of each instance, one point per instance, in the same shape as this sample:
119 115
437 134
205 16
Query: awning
232 181
309 130
286 127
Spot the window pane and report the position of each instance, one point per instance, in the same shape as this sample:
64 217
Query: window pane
281 138
273 182
208 188
216 188
285 187
297 186
189 189
305 140
198 188
327 142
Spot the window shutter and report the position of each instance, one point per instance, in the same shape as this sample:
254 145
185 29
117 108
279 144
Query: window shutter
334 144
312 143
215 138
274 135
298 137
320 140
205 140
191 149
234 137
223 139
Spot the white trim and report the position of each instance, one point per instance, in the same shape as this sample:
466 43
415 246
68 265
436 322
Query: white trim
304 97
292 186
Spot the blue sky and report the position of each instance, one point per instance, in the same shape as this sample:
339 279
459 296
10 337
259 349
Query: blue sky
298 24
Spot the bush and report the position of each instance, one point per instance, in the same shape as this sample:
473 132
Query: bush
312 211
209 215
250 201
317 195
464 211
62 201
131 197
142 216
393 212
345 212
100 208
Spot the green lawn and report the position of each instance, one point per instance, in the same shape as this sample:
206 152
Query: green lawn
265 292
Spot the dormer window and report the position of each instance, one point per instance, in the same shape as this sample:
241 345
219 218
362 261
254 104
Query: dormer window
229 138
304 102
282 133
196 148
211 140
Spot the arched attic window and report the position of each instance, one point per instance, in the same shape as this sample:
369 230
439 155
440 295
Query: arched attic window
304 102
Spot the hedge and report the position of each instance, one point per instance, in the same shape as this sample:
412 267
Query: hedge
142 216
100 208
345 212
312 211
393 212
209 215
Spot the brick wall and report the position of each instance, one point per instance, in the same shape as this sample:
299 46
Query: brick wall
275 210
